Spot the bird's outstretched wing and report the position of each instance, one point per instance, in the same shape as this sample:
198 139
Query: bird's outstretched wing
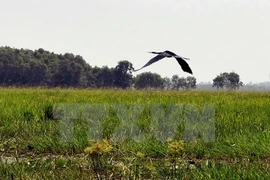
151 61
184 58
184 65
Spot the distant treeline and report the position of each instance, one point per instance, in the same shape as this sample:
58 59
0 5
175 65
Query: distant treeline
23 67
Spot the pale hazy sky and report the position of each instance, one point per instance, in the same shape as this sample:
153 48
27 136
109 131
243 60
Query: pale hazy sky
217 35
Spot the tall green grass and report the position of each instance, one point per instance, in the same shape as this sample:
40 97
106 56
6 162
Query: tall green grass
241 148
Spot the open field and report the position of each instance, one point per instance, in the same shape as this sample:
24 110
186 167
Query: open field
31 145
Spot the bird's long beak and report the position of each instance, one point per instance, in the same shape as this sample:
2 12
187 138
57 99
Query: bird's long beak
154 52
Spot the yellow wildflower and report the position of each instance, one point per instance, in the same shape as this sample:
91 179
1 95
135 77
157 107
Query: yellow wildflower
140 154
176 146
98 147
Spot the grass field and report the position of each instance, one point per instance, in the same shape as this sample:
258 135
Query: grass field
31 146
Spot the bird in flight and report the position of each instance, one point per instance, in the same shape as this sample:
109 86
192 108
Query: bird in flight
160 55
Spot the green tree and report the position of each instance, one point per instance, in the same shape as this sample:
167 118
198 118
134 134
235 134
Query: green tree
68 74
123 74
23 67
183 83
229 80
233 81
191 82
37 73
149 80
178 83
175 82
167 83
104 77
219 81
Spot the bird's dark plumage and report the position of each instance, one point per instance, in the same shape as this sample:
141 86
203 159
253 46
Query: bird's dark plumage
160 55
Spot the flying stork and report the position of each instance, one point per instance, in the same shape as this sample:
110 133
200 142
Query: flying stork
160 55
